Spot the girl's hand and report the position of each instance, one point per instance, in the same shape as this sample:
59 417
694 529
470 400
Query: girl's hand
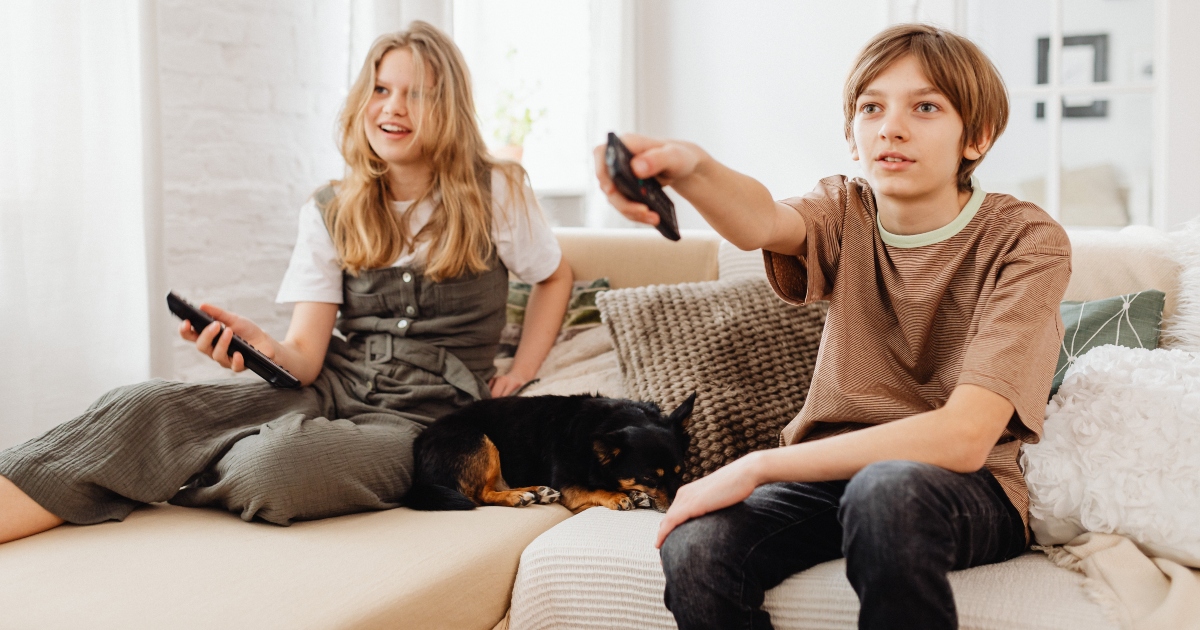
725 487
670 161
505 385
213 342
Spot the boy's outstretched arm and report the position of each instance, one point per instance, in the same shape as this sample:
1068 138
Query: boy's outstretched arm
957 437
737 206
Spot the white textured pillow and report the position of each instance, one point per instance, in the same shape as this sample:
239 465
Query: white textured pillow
1182 329
1121 453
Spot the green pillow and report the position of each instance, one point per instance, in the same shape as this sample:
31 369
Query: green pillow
581 315
1130 320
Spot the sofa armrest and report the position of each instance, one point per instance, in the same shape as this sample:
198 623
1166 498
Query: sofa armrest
632 257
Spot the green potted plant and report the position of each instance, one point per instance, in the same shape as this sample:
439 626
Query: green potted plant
513 119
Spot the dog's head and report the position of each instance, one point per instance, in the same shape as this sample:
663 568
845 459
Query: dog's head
639 448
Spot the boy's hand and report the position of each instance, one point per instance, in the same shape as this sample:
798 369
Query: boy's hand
725 487
214 342
670 161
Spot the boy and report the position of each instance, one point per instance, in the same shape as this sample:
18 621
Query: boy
936 361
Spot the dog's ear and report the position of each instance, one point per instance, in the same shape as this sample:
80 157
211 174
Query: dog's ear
682 412
608 446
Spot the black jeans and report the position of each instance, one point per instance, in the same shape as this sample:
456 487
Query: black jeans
902 526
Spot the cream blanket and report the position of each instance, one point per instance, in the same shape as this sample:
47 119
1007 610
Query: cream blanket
1138 592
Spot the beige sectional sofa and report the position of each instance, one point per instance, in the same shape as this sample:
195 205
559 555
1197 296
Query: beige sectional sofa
172 567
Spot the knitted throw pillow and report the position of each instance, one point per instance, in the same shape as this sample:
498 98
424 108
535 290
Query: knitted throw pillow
747 354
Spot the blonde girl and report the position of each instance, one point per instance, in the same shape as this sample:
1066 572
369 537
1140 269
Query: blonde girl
407 257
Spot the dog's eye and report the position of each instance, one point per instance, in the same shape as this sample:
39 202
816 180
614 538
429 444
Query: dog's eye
658 471
678 468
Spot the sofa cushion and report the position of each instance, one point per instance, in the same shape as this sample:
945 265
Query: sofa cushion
600 570
175 567
735 264
639 257
747 354
1106 263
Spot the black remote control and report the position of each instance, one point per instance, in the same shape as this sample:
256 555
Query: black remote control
644 191
258 362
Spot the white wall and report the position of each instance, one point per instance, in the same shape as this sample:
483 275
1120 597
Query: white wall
1181 128
757 84
736 77
1008 33
249 92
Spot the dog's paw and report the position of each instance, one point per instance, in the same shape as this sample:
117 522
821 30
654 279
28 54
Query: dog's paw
641 499
624 503
526 498
547 495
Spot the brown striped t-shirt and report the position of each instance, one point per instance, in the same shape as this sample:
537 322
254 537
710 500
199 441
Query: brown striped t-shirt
912 317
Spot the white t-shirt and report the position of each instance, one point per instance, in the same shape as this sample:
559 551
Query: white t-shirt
523 241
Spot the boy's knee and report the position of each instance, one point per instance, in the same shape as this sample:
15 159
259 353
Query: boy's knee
891 496
695 549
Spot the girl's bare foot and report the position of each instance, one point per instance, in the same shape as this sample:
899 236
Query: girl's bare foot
21 516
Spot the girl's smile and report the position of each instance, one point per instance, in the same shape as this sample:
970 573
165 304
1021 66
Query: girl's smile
394 109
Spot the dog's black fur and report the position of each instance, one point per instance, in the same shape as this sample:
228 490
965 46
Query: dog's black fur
594 450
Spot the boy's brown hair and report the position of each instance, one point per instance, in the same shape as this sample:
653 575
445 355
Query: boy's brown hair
955 66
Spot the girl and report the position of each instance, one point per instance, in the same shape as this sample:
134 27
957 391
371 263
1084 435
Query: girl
414 248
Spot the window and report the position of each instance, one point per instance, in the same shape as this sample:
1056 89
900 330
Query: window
549 82
1081 138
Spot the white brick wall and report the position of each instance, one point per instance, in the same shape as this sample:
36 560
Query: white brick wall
250 91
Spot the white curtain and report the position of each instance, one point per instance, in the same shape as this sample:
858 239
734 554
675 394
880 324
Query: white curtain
73 297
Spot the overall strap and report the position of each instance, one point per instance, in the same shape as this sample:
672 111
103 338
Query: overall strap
324 198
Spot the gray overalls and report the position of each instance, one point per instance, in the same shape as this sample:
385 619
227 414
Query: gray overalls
413 351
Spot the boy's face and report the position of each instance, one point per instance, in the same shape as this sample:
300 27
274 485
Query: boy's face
907 135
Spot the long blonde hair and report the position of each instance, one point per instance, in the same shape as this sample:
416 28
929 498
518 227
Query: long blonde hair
365 230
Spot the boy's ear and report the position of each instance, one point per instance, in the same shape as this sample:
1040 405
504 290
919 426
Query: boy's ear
975 150
683 411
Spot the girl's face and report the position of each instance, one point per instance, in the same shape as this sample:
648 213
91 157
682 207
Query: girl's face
395 107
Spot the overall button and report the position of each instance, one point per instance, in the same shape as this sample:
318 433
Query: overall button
407 277
402 324
410 310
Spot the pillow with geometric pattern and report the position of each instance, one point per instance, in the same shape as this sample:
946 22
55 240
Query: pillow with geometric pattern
1130 320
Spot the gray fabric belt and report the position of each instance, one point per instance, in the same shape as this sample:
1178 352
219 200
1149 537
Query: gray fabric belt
380 349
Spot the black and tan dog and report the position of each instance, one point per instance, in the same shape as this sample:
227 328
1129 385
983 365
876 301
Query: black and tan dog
515 451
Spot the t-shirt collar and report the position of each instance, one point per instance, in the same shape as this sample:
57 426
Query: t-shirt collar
946 231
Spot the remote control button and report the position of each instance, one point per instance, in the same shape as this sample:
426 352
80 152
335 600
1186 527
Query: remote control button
410 310
402 324
407 277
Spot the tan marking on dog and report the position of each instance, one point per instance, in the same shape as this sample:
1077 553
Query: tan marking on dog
577 499
660 497
660 472
678 468
487 485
